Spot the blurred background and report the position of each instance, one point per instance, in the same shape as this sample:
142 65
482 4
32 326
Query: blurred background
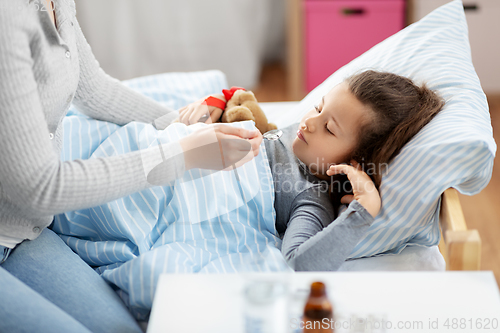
281 49
295 44
136 38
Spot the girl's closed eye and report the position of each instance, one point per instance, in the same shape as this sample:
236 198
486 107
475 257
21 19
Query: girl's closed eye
329 130
326 125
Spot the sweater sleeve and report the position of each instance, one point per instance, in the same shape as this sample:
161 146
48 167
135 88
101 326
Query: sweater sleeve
105 98
31 172
312 243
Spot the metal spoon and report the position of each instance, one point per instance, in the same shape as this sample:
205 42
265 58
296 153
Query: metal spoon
273 135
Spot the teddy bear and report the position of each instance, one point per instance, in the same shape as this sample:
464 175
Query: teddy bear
242 105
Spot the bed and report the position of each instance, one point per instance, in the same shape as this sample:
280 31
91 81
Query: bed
460 246
133 240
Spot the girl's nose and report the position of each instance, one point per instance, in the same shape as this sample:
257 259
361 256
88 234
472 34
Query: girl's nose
309 124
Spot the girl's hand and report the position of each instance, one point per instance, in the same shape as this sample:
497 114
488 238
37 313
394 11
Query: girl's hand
193 112
363 188
220 147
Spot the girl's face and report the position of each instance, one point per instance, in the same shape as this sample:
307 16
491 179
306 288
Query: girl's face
328 133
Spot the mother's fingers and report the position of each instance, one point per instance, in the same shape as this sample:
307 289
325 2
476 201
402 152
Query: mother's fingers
198 112
235 150
214 116
237 131
185 114
255 142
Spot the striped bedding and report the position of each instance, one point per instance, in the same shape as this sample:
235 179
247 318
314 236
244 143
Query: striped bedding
198 224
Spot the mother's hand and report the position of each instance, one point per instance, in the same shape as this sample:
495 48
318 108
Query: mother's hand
220 147
363 188
193 112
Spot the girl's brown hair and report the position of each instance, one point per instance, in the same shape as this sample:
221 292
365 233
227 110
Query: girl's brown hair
400 110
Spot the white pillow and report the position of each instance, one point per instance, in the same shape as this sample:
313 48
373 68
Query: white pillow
455 150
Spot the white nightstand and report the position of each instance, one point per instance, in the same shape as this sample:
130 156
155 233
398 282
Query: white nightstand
407 301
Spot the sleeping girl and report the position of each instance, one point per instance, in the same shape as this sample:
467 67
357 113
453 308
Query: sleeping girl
214 222
365 121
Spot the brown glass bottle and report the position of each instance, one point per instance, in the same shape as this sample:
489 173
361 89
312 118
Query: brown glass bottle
318 311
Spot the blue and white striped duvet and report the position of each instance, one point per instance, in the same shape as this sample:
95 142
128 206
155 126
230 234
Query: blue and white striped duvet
191 226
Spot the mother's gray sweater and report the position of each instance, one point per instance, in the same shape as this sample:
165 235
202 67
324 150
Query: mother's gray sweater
43 70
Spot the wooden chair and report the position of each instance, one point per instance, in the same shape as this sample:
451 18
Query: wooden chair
460 247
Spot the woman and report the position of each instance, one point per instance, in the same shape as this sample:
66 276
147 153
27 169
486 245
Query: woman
45 64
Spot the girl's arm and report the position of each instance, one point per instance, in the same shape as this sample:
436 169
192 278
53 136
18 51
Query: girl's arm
310 245
105 98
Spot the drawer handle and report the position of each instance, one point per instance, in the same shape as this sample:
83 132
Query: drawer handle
471 8
353 11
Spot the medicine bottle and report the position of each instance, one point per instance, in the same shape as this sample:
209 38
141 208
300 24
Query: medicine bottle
318 311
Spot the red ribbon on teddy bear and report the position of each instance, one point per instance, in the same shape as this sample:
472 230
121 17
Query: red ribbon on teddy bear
228 93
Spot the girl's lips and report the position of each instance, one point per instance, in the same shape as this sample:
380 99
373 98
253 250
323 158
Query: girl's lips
301 136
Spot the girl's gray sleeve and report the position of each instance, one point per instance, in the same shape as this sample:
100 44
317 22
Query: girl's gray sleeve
313 242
